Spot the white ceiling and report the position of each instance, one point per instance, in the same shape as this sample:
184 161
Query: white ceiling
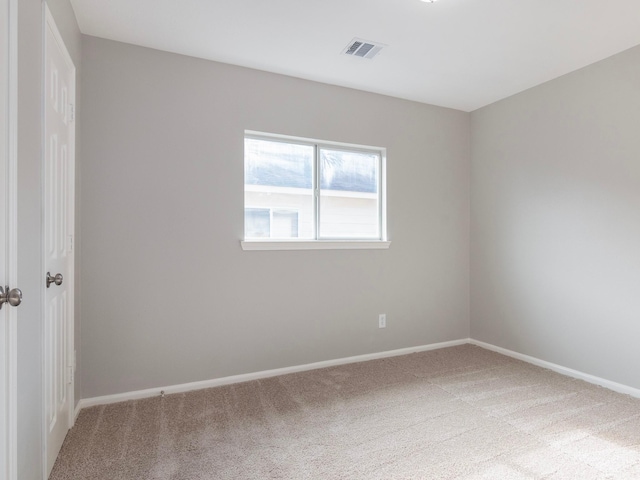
462 54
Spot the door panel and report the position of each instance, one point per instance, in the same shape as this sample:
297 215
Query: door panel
58 225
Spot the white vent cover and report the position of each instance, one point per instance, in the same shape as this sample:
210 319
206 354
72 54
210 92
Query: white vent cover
363 48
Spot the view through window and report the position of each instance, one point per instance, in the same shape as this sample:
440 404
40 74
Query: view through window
305 190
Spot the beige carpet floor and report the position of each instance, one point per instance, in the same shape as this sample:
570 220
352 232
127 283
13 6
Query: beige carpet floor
456 413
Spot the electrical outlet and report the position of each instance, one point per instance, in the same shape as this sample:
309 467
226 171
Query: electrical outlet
382 320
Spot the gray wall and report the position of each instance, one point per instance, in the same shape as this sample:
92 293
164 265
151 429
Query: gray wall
30 327
556 220
169 296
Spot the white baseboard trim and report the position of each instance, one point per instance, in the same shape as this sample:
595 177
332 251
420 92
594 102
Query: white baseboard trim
187 387
616 387
76 412
217 382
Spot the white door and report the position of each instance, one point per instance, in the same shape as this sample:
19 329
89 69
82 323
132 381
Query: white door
58 242
4 317
8 252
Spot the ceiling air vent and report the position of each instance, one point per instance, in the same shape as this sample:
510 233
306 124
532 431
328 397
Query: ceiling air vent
363 48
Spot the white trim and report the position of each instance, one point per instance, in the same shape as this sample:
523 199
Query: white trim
382 197
187 387
278 137
13 236
5 442
616 387
43 316
314 245
9 377
77 410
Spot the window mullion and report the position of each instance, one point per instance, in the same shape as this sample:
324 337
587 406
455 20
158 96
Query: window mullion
270 222
380 196
316 190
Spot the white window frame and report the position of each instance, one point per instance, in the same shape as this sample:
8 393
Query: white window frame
327 243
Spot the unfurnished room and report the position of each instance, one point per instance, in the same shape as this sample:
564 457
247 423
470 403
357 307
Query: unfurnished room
384 239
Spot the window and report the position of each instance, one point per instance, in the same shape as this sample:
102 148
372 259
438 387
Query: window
304 191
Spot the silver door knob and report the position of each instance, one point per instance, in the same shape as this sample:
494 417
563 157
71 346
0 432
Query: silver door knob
13 297
57 279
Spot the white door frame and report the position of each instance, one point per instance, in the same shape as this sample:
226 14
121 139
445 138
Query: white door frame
49 22
8 164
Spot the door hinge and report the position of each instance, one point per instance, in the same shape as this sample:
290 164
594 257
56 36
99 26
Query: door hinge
69 374
72 112
71 243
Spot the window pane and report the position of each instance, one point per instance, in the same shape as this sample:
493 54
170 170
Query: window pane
278 177
349 194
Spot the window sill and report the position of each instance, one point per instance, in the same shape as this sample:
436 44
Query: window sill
315 245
